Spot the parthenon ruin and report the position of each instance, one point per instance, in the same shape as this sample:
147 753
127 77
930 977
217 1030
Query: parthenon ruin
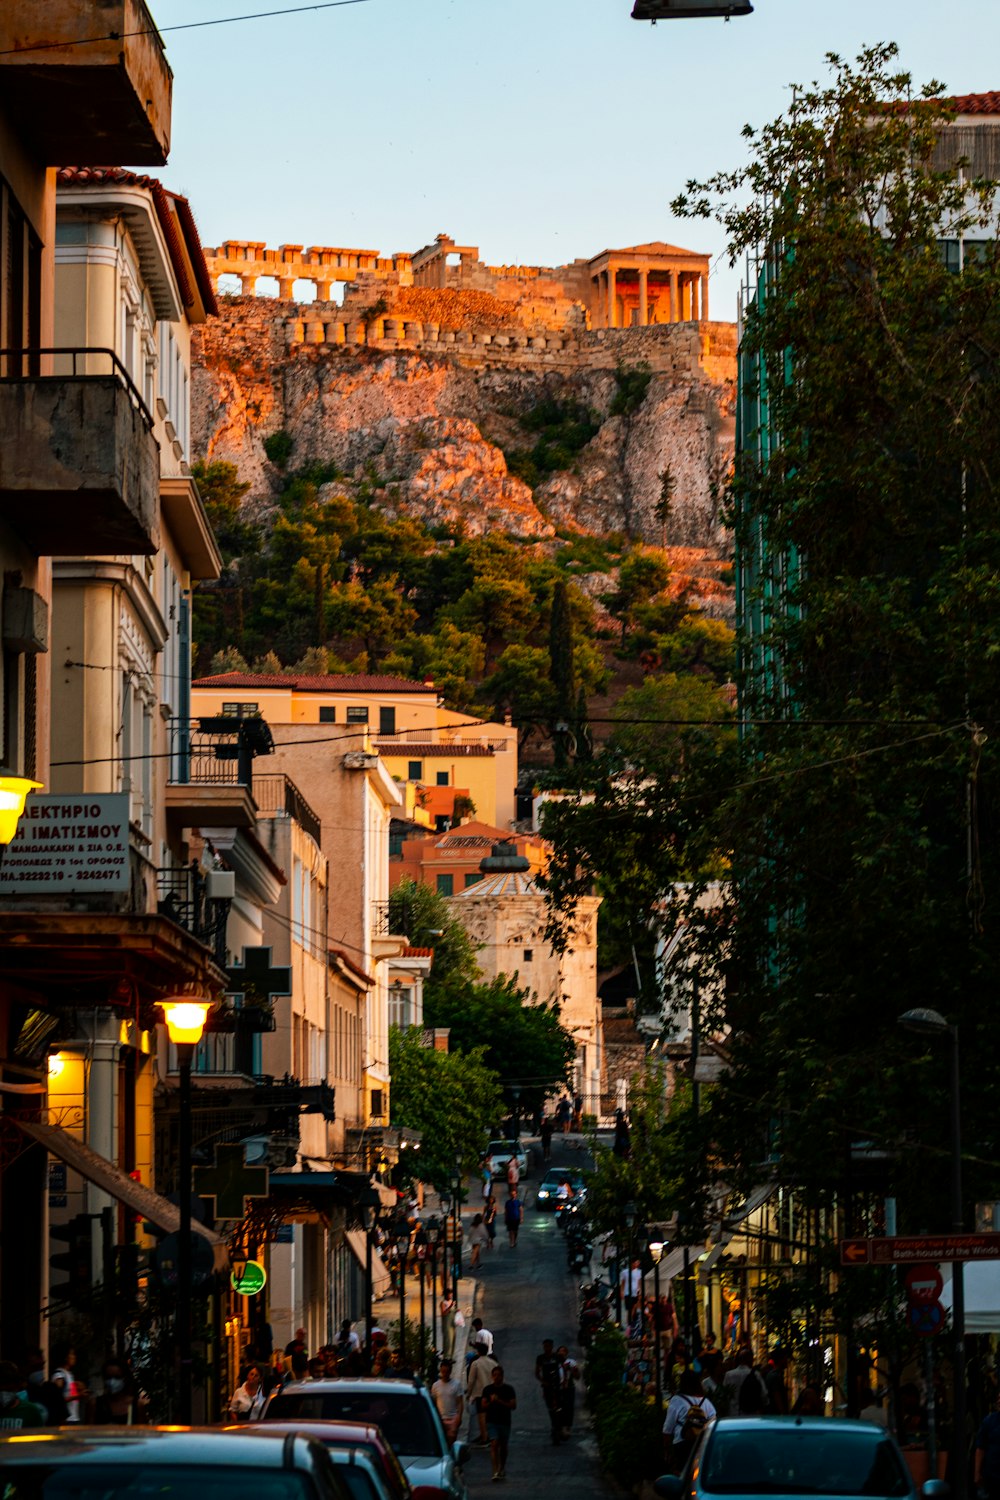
639 286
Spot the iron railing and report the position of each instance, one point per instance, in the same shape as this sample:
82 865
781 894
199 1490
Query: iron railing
279 794
181 896
68 364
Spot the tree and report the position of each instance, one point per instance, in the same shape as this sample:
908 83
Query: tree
562 668
451 1098
864 821
426 918
642 574
525 1044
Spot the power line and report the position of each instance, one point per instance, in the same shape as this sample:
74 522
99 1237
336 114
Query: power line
120 36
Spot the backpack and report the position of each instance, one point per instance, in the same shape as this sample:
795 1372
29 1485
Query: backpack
694 1422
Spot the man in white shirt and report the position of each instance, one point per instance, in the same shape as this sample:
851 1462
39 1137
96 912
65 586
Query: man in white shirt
480 1375
481 1335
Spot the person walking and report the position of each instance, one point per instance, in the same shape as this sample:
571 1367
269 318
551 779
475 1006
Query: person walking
569 1378
499 1400
685 1418
481 1335
513 1175
564 1112
545 1131
490 1219
479 1240
248 1399
548 1373
478 1378
449 1399
513 1213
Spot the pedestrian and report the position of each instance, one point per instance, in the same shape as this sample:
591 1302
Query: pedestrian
490 1219
577 1120
548 1373
297 1345
564 1111
499 1400
119 1403
487 1177
545 1131
16 1411
621 1146
512 1216
734 1378
570 1380
774 1382
248 1399
986 1469
479 1375
479 1240
449 1400
481 1335
513 1175
74 1393
631 1279
685 1420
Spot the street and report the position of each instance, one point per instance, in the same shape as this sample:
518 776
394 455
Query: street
527 1295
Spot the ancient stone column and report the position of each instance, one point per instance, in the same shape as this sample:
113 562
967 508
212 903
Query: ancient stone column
285 284
612 298
322 290
248 285
673 296
643 298
704 297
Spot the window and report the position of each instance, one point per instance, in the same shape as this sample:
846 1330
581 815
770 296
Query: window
357 716
441 778
377 1105
473 879
415 770
446 885
241 710
327 715
387 721
529 954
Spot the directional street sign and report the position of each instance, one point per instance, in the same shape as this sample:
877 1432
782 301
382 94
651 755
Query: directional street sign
899 1251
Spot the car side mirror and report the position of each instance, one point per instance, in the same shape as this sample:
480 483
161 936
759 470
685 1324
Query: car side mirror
668 1487
935 1489
461 1452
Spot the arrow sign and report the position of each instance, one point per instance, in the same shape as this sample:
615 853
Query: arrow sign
855 1252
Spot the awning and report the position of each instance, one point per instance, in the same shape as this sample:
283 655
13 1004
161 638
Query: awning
982 1295
381 1280
111 1179
673 1265
756 1200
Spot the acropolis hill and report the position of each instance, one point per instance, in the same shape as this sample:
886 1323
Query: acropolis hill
432 361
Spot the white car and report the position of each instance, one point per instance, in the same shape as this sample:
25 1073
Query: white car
499 1153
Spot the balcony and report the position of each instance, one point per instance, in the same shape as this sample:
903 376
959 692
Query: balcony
79 466
88 81
279 794
211 772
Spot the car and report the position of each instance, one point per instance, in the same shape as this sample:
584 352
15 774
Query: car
358 1471
362 1438
802 1456
162 1463
500 1153
403 1409
548 1196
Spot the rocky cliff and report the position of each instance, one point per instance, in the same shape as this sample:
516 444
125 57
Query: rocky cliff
425 430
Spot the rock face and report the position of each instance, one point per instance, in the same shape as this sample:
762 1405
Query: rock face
425 430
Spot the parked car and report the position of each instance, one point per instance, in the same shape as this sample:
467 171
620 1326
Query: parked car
404 1411
139 1462
802 1456
362 1438
500 1153
548 1196
357 1469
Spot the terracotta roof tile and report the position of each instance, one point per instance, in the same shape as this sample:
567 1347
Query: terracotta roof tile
430 751
346 682
417 953
977 104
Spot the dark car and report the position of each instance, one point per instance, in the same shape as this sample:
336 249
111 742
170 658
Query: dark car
548 1195
358 1437
155 1463
802 1456
403 1409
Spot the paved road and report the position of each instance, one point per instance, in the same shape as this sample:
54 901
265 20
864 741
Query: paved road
527 1295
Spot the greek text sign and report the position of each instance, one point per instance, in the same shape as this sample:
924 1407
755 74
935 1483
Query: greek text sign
70 844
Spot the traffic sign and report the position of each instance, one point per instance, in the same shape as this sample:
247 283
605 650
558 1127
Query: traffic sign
251 1281
926 1318
899 1251
923 1284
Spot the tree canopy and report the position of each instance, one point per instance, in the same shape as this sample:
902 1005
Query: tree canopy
451 1098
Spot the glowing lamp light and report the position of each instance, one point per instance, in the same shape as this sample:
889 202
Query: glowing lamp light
185 1019
13 790
56 1064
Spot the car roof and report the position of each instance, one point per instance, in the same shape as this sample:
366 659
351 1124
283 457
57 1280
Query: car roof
869 1430
332 1384
563 1173
322 1428
151 1445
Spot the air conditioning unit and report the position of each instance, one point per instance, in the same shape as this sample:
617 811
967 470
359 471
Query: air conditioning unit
220 885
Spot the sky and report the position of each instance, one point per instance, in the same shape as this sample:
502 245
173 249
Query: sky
539 130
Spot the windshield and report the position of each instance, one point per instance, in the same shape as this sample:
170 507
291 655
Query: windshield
405 1419
93 1481
801 1461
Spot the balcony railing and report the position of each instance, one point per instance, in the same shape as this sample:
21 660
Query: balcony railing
380 924
279 794
182 896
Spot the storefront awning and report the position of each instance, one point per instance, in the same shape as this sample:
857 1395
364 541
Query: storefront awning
381 1280
673 1265
756 1200
111 1179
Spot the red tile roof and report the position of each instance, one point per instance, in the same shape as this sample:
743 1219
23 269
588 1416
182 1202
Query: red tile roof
976 104
162 200
345 682
417 953
442 751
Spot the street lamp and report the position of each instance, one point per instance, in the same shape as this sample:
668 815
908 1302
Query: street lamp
931 1023
629 1214
185 1016
433 1240
515 1094
456 1199
13 791
656 1252
369 1203
402 1251
670 10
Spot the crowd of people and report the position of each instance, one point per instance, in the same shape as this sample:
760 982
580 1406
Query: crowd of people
33 1396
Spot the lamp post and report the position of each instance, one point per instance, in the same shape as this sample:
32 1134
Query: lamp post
456 1254
433 1239
515 1094
629 1214
656 1251
931 1023
402 1251
185 1017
